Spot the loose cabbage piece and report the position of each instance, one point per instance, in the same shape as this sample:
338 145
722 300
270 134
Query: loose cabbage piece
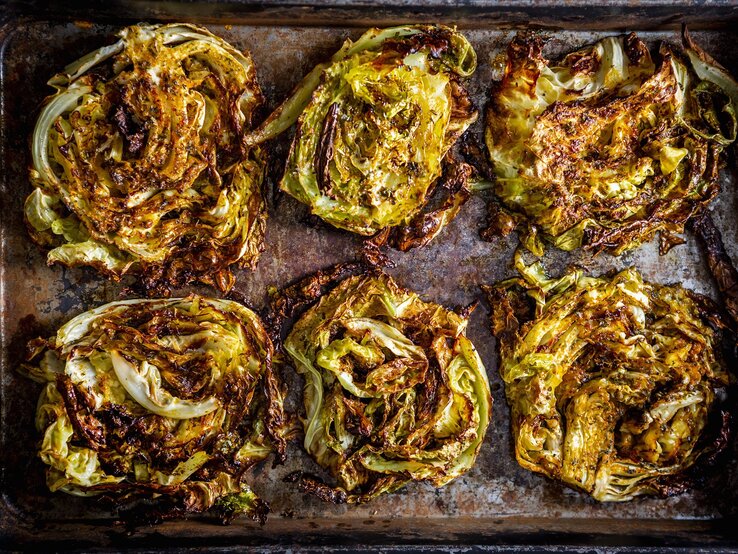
394 390
719 262
374 125
614 384
607 147
139 163
170 399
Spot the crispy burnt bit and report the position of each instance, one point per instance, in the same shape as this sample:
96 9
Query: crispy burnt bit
499 222
314 486
434 39
191 264
277 421
719 262
472 152
149 515
467 311
258 514
690 44
726 277
356 421
324 152
371 250
133 133
172 508
426 225
508 310
87 426
522 52
635 48
26 343
584 63
285 303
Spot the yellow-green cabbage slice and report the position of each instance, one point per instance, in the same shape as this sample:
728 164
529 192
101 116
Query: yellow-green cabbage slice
615 384
394 390
139 163
374 125
171 399
607 146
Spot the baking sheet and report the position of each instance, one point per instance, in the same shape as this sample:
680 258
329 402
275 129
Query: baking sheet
497 501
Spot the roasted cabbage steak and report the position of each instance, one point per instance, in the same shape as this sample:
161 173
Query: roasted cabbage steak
139 163
394 391
374 126
169 399
608 146
616 385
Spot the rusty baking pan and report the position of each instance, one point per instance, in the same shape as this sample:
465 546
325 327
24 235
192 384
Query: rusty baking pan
497 504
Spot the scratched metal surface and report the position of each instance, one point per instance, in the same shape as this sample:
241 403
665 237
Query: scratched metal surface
495 502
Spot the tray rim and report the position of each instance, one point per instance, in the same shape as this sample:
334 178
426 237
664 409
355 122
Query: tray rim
16 531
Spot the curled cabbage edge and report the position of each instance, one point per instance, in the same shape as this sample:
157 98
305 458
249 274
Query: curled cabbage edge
139 164
607 146
374 126
169 399
394 391
616 386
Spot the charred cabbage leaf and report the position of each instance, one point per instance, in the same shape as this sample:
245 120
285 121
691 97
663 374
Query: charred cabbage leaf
139 163
607 146
170 399
614 383
394 390
374 125
719 262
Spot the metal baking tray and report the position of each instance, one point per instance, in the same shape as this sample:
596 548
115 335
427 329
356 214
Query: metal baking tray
497 504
